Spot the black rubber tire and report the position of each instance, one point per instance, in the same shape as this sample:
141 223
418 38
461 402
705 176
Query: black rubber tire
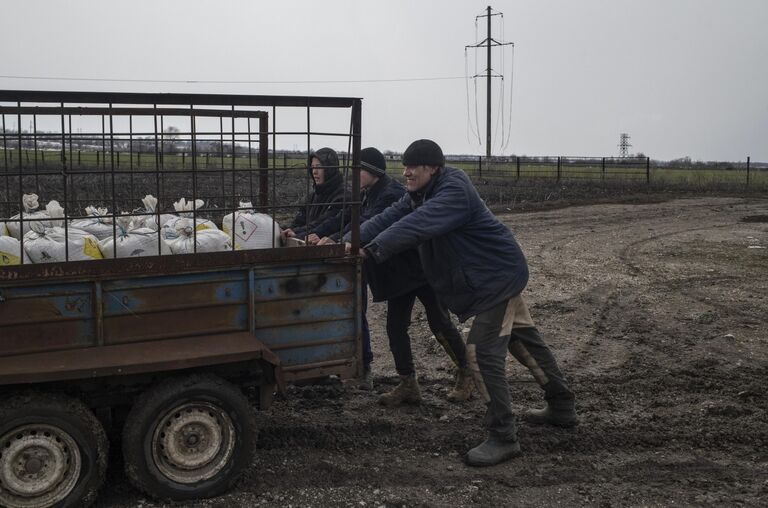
153 407
73 418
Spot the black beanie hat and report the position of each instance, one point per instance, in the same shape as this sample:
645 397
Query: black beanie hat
423 152
373 161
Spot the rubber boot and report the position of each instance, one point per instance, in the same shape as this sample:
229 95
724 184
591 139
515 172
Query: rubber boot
530 350
405 392
552 415
366 382
462 389
560 412
492 451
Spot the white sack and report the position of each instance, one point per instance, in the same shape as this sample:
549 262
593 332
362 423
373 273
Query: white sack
208 240
3 229
133 242
151 219
252 230
46 245
99 223
184 210
31 211
10 252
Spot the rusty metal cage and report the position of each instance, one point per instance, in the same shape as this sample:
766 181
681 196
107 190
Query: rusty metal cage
109 149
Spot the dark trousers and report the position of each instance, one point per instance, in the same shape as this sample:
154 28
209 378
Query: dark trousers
366 332
399 319
490 350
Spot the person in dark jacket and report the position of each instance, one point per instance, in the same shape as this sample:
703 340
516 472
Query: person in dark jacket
319 216
477 267
400 281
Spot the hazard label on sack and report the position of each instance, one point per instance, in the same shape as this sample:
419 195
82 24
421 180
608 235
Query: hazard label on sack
245 227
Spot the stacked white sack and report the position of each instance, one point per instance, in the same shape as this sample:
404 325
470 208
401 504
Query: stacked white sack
30 205
132 241
151 219
208 240
184 210
99 223
50 244
3 229
252 230
10 252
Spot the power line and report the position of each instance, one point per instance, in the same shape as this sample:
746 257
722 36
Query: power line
488 43
244 82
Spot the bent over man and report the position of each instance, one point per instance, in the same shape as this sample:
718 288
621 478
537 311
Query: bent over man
477 268
400 281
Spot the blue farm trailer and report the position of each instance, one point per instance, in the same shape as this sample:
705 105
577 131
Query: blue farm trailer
175 351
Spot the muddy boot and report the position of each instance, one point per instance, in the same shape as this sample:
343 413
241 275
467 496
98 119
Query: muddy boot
492 451
560 413
406 392
366 382
462 390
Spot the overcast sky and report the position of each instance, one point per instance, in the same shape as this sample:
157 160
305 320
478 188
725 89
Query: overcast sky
682 77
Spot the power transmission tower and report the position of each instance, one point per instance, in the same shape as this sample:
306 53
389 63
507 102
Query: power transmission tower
489 43
624 145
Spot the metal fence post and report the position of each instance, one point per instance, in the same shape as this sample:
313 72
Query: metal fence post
648 170
558 168
748 160
518 167
480 165
602 168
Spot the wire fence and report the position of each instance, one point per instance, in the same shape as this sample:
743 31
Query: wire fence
635 170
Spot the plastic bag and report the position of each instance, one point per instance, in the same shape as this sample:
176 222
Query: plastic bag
10 252
99 224
208 240
252 230
132 241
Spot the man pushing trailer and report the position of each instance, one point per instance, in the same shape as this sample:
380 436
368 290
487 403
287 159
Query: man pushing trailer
477 267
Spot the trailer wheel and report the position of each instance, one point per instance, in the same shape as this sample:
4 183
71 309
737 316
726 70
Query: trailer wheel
188 438
53 452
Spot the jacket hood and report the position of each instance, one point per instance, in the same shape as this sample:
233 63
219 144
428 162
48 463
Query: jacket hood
328 159
330 163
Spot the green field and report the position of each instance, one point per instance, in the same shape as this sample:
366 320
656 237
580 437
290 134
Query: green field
618 170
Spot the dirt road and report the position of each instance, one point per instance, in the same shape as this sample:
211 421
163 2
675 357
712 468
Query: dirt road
658 313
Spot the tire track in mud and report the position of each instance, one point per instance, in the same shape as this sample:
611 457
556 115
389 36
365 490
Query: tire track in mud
627 258
646 359
680 285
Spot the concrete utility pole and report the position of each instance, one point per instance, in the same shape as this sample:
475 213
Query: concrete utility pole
489 42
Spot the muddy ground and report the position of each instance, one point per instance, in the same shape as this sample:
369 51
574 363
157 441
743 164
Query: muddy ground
658 314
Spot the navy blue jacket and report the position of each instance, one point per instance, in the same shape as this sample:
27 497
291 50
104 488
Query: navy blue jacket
470 258
401 273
